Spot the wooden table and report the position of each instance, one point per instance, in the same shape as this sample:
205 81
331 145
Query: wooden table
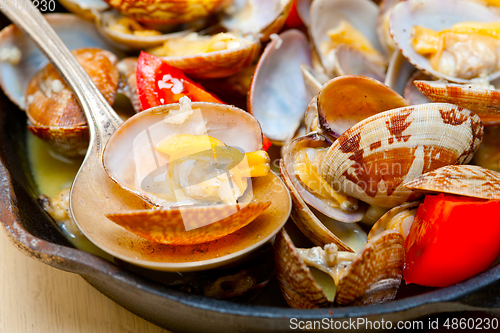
35 297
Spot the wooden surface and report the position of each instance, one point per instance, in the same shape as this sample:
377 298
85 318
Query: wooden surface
35 297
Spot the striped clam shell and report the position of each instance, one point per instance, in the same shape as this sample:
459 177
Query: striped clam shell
372 159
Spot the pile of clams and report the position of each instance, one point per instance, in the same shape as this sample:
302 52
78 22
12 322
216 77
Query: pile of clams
370 106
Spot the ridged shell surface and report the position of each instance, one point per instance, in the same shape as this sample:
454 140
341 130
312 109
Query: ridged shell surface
372 159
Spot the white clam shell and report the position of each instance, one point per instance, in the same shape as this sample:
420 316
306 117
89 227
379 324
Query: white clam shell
435 15
74 32
277 95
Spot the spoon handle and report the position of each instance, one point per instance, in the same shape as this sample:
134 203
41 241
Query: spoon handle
101 118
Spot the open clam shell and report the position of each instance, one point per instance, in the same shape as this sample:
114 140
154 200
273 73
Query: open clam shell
372 277
258 17
169 226
349 61
483 101
398 72
217 64
435 15
399 218
277 96
412 94
130 154
53 111
105 20
167 11
85 9
74 32
467 180
372 159
346 100
328 14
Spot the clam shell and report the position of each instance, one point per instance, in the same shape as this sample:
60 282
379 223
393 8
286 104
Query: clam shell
167 11
304 11
313 81
296 281
85 9
128 166
398 72
346 100
327 14
386 221
128 81
375 275
277 96
189 225
383 31
53 111
74 32
311 117
130 41
467 180
484 102
372 159
217 64
312 140
435 15
259 17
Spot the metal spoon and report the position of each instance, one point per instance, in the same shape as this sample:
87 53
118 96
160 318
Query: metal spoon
93 193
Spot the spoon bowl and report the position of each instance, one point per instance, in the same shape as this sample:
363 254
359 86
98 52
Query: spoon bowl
94 194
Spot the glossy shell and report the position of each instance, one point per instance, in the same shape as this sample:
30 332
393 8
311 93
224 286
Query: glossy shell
399 218
483 101
53 111
85 9
167 11
217 64
467 180
277 96
346 100
372 159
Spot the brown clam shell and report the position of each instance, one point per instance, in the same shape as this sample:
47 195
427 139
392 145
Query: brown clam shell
168 226
216 64
375 275
296 281
346 100
167 11
484 102
468 180
372 159
54 114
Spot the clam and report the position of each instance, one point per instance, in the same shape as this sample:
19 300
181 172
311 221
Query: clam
128 81
15 76
346 100
317 209
483 99
129 34
277 96
216 56
383 29
166 156
321 277
258 17
371 160
461 62
53 111
467 180
349 61
168 11
348 22
304 10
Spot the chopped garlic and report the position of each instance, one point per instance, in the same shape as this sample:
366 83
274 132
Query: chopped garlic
57 86
11 54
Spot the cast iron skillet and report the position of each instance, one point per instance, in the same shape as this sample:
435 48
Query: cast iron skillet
34 233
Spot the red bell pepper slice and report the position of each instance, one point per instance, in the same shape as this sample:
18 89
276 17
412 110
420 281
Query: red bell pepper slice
451 239
293 20
159 83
